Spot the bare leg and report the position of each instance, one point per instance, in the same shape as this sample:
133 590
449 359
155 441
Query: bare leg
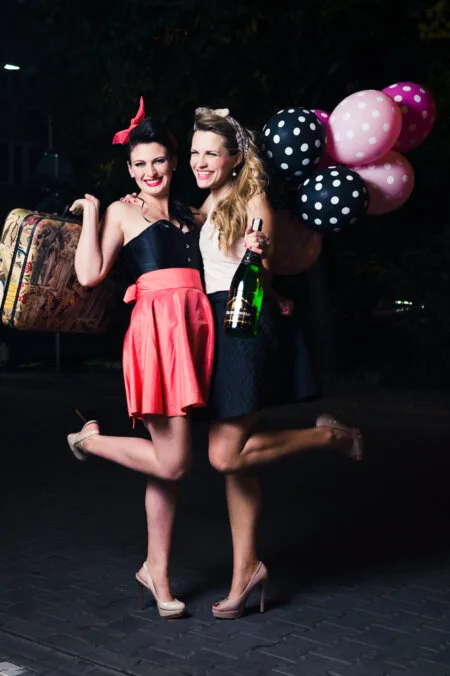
244 507
161 499
165 459
140 454
233 447
226 441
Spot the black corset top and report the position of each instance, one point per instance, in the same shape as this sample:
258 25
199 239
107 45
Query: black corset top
162 245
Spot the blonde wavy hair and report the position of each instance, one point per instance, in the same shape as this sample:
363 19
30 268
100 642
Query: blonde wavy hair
230 213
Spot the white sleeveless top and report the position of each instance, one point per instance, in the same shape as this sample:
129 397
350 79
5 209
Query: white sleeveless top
219 267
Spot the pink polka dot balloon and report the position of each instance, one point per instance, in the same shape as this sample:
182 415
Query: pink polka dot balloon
322 115
389 180
363 127
418 113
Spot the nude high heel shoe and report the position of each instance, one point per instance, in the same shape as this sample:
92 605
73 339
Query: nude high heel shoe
169 610
75 439
232 609
356 452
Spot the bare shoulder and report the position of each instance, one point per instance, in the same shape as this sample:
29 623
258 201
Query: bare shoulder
119 211
116 209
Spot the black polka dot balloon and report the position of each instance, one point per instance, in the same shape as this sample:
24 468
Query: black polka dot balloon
294 142
331 199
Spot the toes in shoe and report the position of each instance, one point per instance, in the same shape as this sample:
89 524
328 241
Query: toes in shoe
232 609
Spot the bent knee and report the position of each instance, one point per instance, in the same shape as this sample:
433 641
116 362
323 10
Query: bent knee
175 471
223 461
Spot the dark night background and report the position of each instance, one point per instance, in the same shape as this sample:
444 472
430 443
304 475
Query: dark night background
358 553
85 64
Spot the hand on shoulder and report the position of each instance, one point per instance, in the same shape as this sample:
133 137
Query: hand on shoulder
132 199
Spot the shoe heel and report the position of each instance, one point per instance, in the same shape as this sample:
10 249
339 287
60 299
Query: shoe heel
141 595
262 594
80 415
86 416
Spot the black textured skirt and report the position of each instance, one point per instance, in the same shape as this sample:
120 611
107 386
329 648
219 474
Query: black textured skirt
269 369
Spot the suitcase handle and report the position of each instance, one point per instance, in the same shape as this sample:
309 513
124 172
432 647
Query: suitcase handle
66 214
73 217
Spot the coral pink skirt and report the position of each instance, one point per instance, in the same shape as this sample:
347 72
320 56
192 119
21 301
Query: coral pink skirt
169 346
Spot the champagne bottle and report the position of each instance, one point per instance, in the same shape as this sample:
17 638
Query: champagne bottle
246 294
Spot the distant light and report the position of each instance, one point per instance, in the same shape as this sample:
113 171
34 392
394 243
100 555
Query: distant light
10 66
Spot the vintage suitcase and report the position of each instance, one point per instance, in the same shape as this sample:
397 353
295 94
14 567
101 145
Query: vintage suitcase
39 290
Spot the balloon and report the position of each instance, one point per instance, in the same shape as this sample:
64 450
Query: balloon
294 142
324 117
363 127
297 247
418 112
331 199
389 180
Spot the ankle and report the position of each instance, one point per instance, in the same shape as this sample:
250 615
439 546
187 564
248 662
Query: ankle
158 568
243 568
326 436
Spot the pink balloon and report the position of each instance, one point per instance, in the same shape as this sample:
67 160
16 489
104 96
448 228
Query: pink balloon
324 117
363 127
389 180
297 247
418 111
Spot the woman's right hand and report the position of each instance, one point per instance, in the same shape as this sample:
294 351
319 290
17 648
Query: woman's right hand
86 203
133 199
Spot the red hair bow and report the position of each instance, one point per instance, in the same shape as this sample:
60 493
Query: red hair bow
123 136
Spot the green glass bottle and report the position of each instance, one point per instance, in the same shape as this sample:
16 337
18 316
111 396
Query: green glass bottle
246 294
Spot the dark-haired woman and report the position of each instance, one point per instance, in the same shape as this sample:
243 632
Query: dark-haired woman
168 349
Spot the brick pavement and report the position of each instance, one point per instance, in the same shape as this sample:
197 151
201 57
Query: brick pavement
358 555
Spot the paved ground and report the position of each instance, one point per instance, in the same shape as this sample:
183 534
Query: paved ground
358 555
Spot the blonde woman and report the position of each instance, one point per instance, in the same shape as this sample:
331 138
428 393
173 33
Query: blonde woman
247 374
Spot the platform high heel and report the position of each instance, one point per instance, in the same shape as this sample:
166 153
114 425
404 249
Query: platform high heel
232 609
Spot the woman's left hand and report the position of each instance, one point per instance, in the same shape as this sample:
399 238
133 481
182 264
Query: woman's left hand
86 203
257 241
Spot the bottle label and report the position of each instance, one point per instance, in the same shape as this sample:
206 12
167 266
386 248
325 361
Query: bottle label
240 313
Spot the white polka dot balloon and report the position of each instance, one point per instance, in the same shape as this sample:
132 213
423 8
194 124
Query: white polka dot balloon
418 111
331 199
389 180
294 142
363 127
